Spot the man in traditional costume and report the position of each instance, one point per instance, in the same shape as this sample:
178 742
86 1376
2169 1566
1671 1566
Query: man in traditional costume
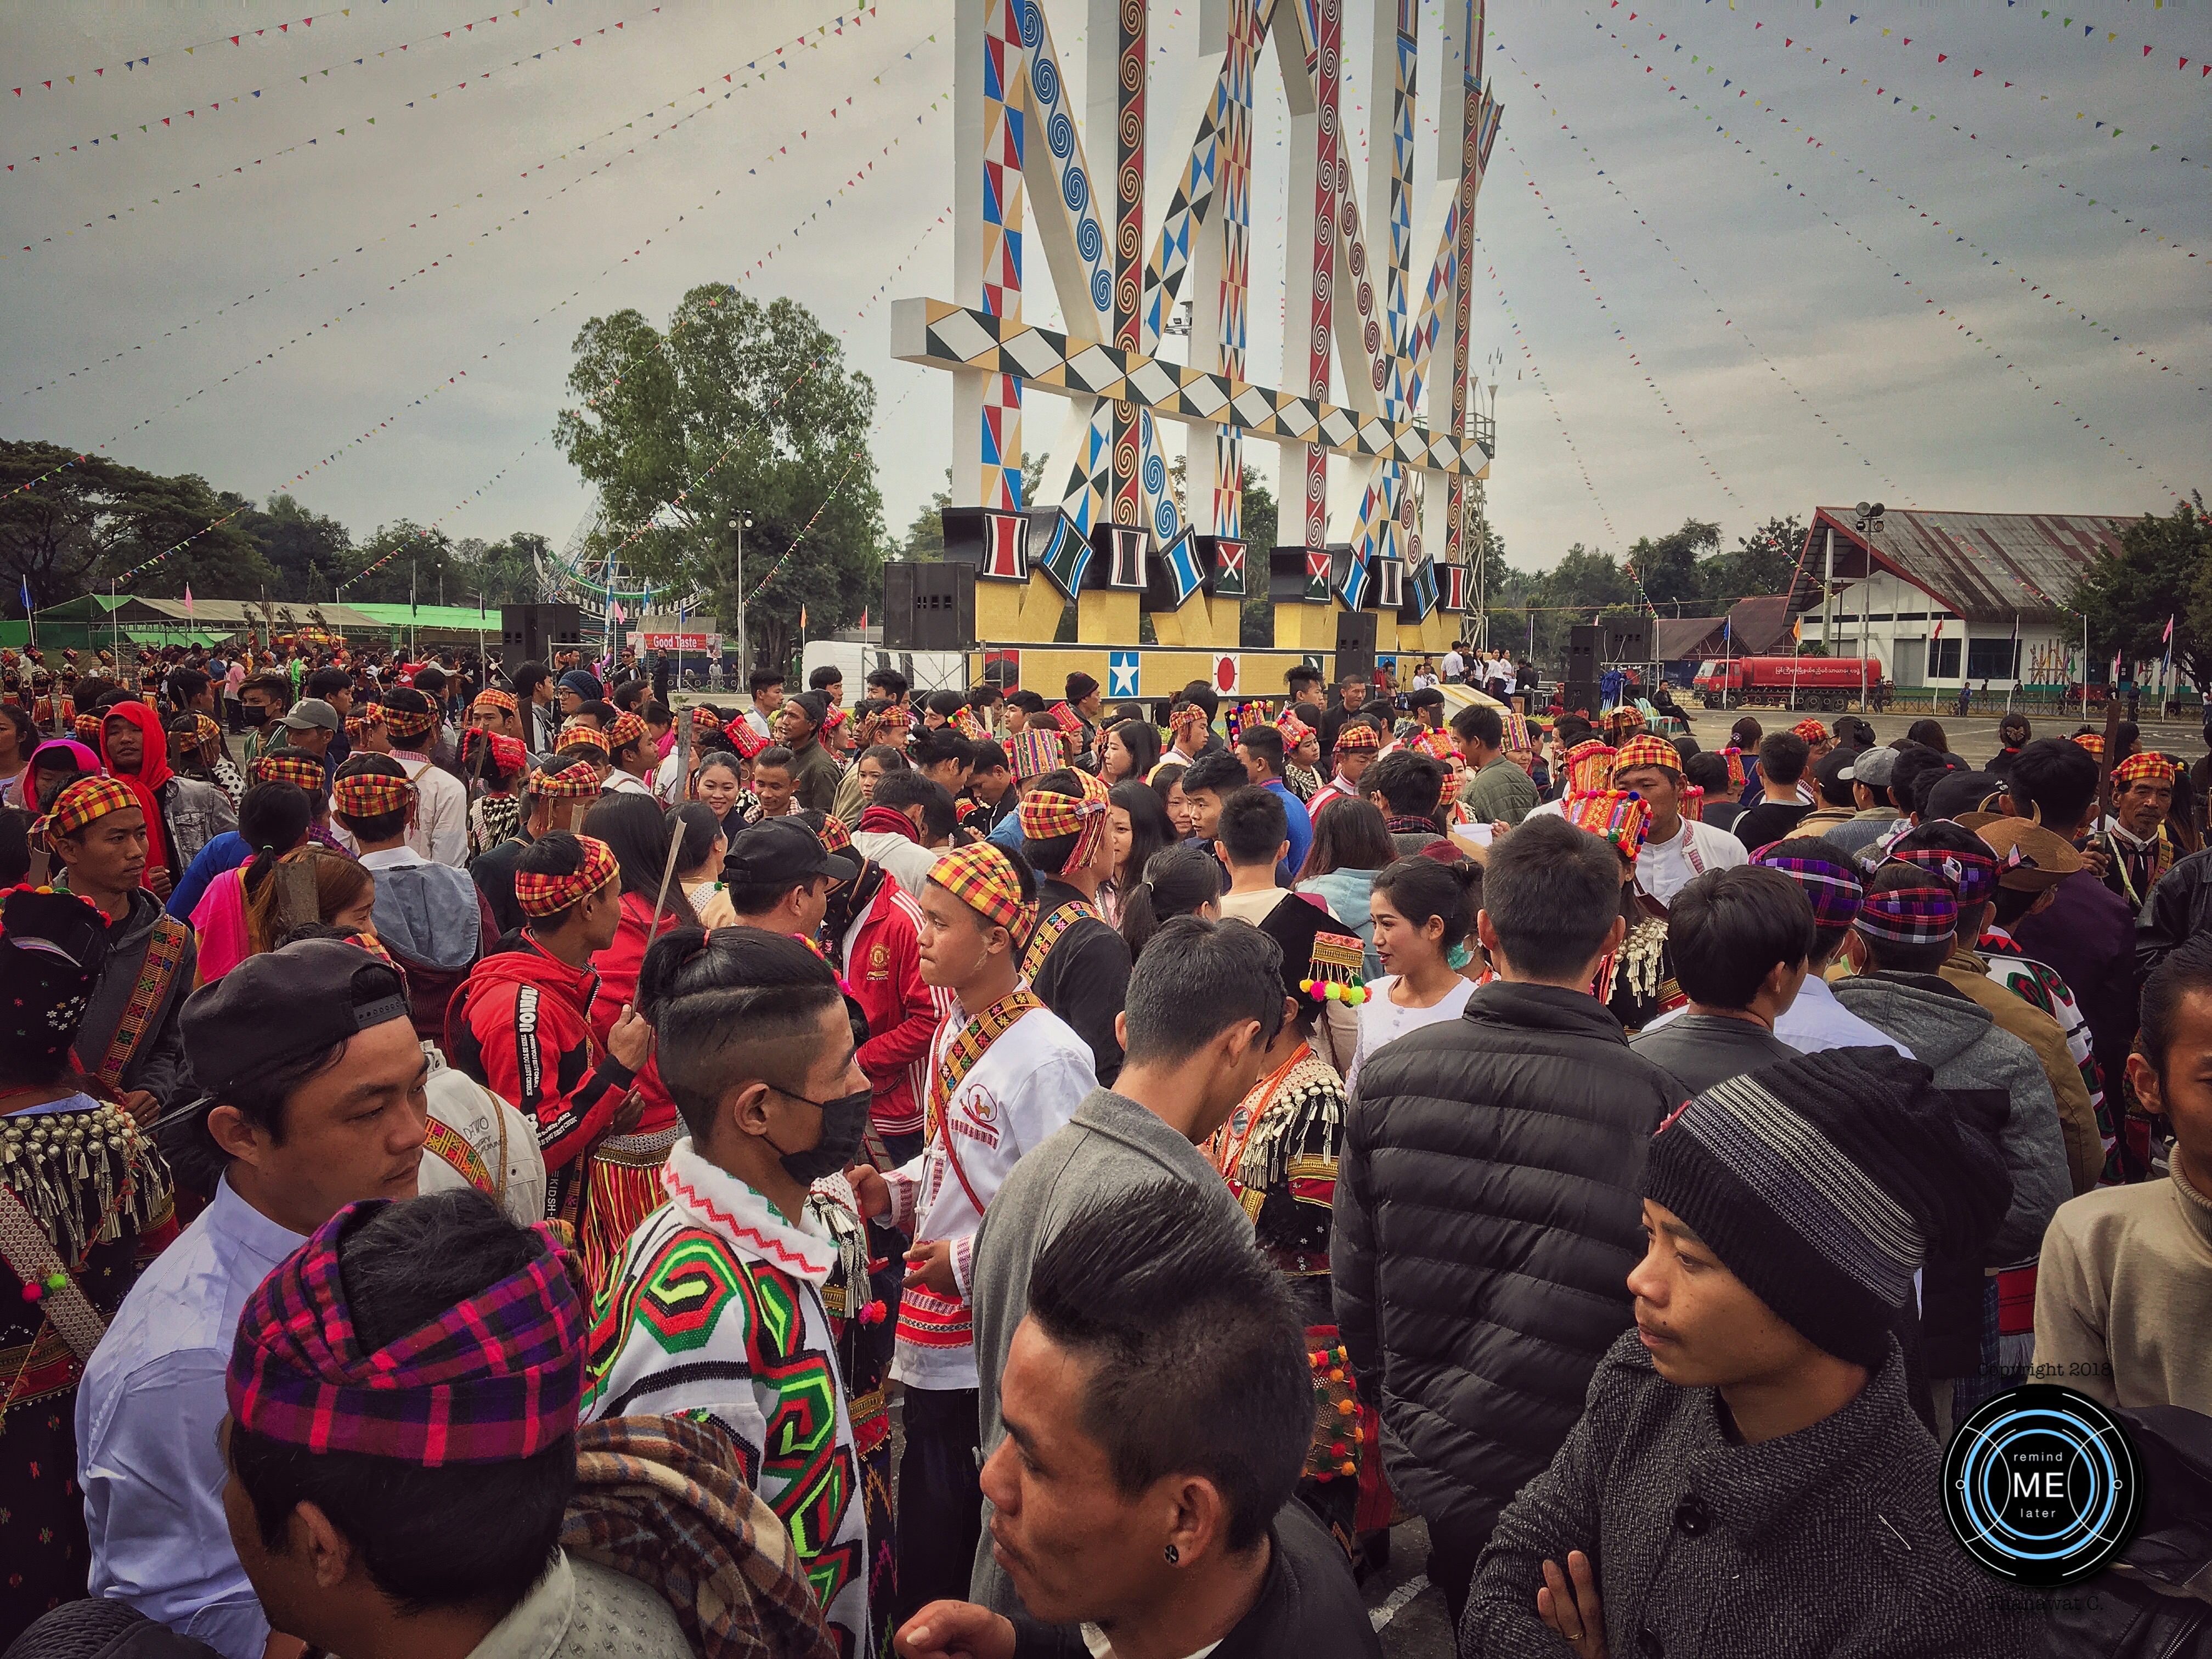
83 1198
2133 838
1676 847
1636 981
1005 1072
1073 960
714 1307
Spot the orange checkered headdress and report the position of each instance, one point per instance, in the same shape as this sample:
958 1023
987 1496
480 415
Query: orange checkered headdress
2092 741
496 698
1590 766
303 769
1812 730
370 795
981 877
85 802
549 896
1647 749
1355 735
2145 766
627 728
1045 814
574 781
576 732
1620 816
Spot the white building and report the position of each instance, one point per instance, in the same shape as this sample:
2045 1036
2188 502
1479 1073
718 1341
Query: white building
1943 599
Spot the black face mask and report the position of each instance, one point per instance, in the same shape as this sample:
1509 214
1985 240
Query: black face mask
252 714
844 1125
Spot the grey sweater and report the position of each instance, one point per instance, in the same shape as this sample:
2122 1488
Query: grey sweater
1110 1146
1827 1542
1960 1042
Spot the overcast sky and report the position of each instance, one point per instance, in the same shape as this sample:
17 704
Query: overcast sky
1782 294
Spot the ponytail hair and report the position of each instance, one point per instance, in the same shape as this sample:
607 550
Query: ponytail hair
729 1006
272 819
1420 887
1179 881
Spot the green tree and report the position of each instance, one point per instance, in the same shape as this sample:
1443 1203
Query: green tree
2163 569
1255 621
1669 566
94 518
308 552
402 562
1764 562
738 408
504 572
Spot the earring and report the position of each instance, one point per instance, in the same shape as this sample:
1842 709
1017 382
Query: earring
1174 1555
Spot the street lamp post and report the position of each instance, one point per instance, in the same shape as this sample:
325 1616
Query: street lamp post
1867 522
740 523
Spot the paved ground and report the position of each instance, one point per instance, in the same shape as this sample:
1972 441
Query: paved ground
1407 1610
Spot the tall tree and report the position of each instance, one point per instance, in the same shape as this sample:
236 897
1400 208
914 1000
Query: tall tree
738 408
1764 562
1257 620
309 553
2163 569
1669 565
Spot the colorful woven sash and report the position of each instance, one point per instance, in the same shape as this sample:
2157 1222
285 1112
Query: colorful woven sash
1047 932
165 952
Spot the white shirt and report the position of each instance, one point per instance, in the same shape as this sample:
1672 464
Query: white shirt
440 831
668 779
1027 1084
1816 1021
620 782
761 723
147 1414
1382 1020
1665 868
909 861
1454 664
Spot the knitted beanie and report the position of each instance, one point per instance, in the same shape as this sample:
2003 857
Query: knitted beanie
1825 1182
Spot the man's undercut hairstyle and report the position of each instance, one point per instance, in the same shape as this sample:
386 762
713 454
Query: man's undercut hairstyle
2186 973
825 676
988 757
378 826
1301 678
1411 781
775 755
1782 757
904 788
1886 955
1194 1356
1254 826
762 679
1266 744
1218 771
556 853
1478 723
1194 980
945 703
1050 855
1729 929
936 748
729 1007
463 1535
1551 892
2056 776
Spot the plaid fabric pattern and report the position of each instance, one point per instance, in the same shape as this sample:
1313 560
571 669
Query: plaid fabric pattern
982 877
205 731
1064 717
2143 765
2092 741
498 1377
1589 766
508 754
704 720
370 795
591 737
627 728
1620 815
548 895
304 770
1033 751
1045 814
85 799
87 729
665 1500
1909 915
575 781
1627 719
833 834
497 699
1812 730
1185 714
1438 745
1971 876
1647 749
1356 735
405 724
1832 884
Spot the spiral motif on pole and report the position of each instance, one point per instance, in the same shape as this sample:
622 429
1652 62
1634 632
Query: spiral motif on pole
1075 190
1101 286
1155 473
1316 483
1163 522
1029 24
1090 240
1044 77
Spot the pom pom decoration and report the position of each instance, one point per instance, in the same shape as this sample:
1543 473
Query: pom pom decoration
1333 970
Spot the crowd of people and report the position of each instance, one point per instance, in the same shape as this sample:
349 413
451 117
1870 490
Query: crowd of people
497 1163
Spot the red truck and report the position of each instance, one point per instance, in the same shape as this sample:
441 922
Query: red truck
1819 682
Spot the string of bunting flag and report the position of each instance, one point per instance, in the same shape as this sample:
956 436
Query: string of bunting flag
680 218
1537 372
2151 49
137 61
1791 187
1728 319
447 383
1927 221
1635 358
2067 21
118 217
809 37
155 126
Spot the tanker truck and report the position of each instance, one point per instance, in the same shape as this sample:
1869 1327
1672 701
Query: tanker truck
1819 682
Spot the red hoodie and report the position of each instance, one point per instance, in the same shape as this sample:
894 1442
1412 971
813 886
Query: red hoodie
519 1025
883 970
618 967
145 780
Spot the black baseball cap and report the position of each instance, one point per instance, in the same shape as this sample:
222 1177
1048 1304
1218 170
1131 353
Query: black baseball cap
782 849
287 1006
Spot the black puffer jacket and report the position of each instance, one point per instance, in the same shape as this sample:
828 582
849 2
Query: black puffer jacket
1486 1218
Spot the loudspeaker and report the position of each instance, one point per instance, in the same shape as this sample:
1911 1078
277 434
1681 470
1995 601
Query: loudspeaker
1582 696
1355 645
929 607
532 633
1584 641
1627 639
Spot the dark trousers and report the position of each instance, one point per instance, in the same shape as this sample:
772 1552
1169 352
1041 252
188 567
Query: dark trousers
1451 1570
903 1149
941 1497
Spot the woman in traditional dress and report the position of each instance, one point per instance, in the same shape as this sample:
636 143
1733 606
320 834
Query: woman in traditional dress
1637 982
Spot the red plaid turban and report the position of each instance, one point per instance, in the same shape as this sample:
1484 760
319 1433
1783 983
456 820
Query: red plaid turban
2092 741
627 728
590 736
572 782
549 896
1620 816
496 698
205 731
1355 735
87 729
1812 730
1972 876
833 835
508 754
1909 915
406 724
371 794
83 801
2144 766
498 1378
982 877
303 769
1646 749
704 720
1045 814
